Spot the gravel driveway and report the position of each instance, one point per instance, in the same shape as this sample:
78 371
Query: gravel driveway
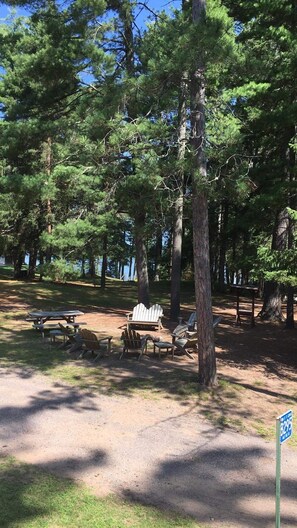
155 451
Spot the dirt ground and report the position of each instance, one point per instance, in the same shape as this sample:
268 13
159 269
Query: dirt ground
203 457
257 366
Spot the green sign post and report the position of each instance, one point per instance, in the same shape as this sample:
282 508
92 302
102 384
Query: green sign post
284 429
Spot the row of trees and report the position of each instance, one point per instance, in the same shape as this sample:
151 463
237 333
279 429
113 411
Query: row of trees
173 143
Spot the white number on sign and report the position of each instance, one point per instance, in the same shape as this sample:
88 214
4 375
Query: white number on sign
286 426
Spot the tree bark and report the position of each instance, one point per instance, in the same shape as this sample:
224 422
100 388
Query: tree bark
48 170
223 246
177 228
290 308
41 264
141 261
32 263
92 271
272 301
206 348
104 264
291 162
18 261
158 255
83 271
126 15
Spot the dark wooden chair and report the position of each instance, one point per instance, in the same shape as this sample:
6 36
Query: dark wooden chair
185 340
133 341
72 340
94 343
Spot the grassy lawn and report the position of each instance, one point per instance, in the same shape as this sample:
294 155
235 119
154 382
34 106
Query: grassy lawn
22 346
117 295
33 499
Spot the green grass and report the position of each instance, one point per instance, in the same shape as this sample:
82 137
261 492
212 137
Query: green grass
30 498
117 294
23 347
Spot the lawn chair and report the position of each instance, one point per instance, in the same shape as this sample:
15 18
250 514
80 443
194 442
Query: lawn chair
133 341
93 343
73 339
191 323
185 340
60 331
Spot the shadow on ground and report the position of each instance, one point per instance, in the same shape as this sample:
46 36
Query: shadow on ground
213 482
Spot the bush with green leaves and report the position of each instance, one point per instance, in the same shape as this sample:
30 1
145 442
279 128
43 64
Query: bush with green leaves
60 270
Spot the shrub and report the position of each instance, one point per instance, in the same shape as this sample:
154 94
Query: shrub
60 270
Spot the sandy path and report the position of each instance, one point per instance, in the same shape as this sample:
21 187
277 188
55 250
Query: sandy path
159 452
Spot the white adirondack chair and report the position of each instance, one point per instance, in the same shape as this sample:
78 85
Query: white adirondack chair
142 316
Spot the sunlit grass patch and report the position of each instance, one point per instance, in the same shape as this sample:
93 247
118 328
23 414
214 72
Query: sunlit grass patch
34 499
258 383
265 431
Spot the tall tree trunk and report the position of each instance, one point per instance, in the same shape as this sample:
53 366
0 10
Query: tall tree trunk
32 263
48 170
234 255
290 289
158 255
18 261
92 271
244 269
177 228
290 307
41 264
223 245
126 14
83 271
141 261
272 301
206 348
291 162
104 264
130 272
8 260
214 243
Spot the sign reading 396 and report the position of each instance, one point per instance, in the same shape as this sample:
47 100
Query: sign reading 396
286 426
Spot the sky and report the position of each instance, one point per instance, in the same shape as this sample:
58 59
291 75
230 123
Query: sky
157 5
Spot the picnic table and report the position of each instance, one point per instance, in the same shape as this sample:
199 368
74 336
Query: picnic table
41 317
41 320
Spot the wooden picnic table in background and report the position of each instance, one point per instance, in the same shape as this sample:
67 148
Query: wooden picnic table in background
41 317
